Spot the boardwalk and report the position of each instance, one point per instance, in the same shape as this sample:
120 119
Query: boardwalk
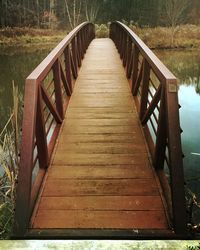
100 175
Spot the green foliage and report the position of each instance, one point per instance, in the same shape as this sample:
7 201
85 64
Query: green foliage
193 247
102 31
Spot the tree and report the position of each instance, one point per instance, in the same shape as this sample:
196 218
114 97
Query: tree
92 9
174 10
73 12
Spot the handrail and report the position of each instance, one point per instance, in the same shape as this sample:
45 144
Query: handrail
47 92
154 89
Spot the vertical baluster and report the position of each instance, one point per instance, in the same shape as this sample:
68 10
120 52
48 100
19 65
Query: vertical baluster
74 57
78 50
68 67
85 38
144 89
120 40
81 44
58 88
129 60
122 44
135 66
83 41
41 139
160 146
125 47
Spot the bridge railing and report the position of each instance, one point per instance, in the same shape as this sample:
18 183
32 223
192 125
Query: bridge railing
155 89
47 92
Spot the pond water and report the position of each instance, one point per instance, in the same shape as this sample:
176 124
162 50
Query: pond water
15 66
184 64
186 67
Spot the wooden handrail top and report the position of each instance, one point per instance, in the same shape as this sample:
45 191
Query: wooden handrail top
162 72
45 66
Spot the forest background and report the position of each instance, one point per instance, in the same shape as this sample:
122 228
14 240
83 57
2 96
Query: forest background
145 16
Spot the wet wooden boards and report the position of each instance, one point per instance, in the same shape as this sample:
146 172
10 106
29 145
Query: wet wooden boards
100 176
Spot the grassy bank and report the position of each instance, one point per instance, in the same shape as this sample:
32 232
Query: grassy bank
182 37
29 38
9 148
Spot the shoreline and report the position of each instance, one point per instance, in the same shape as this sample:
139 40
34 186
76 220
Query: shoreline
13 40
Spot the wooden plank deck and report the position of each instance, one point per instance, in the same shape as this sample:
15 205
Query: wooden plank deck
100 176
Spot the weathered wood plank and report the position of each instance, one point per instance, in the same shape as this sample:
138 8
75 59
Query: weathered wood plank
101 148
78 129
99 159
102 122
93 115
94 102
106 89
124 203
100 172
100 138
111 110
100 187
100 219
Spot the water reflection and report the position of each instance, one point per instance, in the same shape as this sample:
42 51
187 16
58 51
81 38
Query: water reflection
15 66
186 66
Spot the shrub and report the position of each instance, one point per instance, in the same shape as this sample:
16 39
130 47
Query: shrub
102 31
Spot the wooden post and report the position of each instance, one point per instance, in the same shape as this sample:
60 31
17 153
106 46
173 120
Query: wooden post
145 89
24 180
175 158
58 88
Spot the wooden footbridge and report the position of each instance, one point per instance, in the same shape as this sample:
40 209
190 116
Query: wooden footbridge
101 149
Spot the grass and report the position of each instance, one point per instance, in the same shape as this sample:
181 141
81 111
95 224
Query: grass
9 162
185 36
29 37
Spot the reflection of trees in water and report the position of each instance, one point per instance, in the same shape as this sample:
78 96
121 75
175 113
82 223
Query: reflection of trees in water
192 81
197 87
15 66
185 65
